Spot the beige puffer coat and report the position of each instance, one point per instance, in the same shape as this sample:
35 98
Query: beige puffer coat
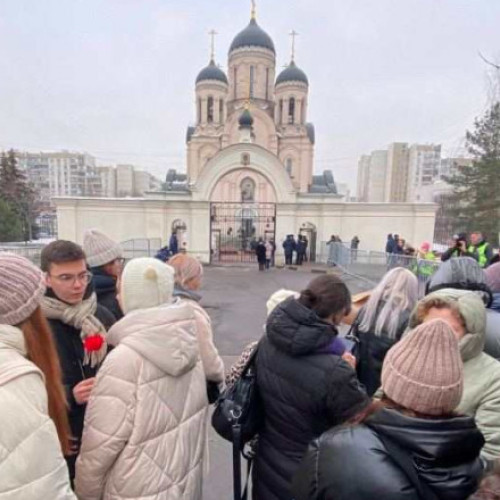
145 425
481 396
32 466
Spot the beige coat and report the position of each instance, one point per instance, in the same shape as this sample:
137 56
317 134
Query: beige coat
31 463
212 362
145 424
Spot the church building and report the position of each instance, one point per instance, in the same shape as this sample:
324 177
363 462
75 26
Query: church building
249 172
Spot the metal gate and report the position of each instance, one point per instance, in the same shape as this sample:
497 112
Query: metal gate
235 229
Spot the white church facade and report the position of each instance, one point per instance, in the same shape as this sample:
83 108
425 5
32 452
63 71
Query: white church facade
249 173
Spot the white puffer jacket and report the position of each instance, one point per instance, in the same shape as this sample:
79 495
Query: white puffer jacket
32 466
145 424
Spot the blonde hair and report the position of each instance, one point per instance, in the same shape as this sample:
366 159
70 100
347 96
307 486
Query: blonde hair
425 306
186 269
395 294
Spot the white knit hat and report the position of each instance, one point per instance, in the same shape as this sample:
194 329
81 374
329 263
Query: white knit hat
146 283
278 297
99 248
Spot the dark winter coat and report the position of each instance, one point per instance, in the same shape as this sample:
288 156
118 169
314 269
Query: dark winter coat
304 393
105 289
372 350
353 463
289 246
390 246
261 253
301 246
70 349
173 244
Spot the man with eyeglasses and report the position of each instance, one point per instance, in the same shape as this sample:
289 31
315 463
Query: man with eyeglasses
105 259
79 326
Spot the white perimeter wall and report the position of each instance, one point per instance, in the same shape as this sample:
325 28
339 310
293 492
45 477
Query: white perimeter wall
125 219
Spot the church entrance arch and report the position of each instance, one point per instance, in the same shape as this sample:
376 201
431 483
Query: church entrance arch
235 229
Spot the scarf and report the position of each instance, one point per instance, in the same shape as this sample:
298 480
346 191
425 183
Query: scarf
82 317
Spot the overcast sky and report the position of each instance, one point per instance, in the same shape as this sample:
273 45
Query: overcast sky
115 78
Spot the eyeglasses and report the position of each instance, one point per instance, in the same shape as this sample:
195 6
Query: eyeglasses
70 279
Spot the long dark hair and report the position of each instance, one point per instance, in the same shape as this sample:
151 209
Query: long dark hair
326 295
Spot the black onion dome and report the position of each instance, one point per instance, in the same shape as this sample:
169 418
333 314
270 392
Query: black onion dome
211 72
253 36
292 73
246 119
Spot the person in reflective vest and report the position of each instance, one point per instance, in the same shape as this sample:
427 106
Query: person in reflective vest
425 257
480 249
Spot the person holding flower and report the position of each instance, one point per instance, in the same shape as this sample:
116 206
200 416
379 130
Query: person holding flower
79 328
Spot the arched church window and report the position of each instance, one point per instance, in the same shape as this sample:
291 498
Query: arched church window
210 109
288 166
252 76
198 111
291 110
221 110
247 187
281 111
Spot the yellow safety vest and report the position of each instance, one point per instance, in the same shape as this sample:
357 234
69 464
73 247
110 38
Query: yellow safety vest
480 253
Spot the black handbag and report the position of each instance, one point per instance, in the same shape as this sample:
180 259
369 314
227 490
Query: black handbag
238 416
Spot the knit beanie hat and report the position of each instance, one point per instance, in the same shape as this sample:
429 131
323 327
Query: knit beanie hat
278 297
99 248
145 283
22 287
493 277
423 372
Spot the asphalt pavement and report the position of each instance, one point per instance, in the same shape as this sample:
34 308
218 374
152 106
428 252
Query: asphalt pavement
235 298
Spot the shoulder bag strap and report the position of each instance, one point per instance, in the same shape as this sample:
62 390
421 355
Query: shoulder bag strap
237 461
405 462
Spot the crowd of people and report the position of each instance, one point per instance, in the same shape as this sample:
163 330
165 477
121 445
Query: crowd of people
107 372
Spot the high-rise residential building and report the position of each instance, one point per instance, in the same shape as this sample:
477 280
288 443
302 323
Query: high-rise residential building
449 166
61 173
377 176
363 178
423 167
124 180
372 171
396 179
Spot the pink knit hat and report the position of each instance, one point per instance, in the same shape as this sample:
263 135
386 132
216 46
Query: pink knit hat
423 372
22 287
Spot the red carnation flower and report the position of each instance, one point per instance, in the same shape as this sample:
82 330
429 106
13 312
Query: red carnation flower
93 342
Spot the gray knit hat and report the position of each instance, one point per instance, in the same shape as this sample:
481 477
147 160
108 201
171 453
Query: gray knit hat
99 248
22 287
423 372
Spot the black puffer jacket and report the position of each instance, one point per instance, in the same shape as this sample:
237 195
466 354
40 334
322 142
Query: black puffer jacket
372 349
304 393
70 349
352 463
105 289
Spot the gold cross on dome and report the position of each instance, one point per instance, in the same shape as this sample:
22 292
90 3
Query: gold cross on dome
293 34
212 34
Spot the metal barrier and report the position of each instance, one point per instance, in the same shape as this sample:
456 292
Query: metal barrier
372 265
140 247
31 252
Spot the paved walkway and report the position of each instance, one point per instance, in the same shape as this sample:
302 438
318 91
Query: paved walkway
235 298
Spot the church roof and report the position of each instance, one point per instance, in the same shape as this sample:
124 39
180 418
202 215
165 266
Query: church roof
211 72
292 73
252 36
323 184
